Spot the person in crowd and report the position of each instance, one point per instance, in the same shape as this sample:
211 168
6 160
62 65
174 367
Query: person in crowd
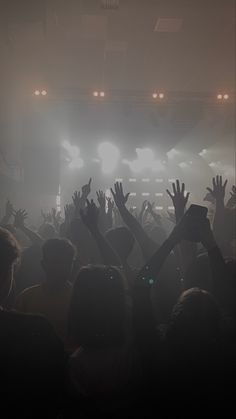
51 298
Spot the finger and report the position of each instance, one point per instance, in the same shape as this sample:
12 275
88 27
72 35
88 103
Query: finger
90 180
178 186
174 188
183 188
214 182
224 186
170 195
127 196
220 181
210 190
112 192
187 196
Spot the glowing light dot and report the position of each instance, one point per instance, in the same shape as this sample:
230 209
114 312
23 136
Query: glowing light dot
226 97
44 92
219 96
37 92
95 94
154 95
161 95
102 94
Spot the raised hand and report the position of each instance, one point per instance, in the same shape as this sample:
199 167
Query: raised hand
20 217
179 198
232 200
86 189
218 188
101 199
76 198
69 211
90 215
150 207
110 204
118 195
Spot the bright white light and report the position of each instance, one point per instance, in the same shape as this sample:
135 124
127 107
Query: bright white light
226 97
203 152
37 92
145 194
44 92
132 194
172 153
95 94
159 208
132 179
219 96
119 179
73 155
171 180
102 94
145 160
171 208
161 95
109 156
154 95
158 194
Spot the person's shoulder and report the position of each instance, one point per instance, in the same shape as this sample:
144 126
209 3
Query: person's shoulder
35 289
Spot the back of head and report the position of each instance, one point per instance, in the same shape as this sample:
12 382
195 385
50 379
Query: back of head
10 253
122 240
158 234
195 319
58 256
97 311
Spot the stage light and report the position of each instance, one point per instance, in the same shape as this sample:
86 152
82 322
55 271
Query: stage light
161 95
158 194
36 92
109 156
145 180
95 94
159 208
132 179
171 208
119 179
73 155
172 153
102 94
159 180
132 194
171 180
203 152
145 194
219 96
44 92
154 95
226 97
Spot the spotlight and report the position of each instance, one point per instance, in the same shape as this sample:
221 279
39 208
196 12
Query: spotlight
154 95
226 97
145 194
102 94
95 94
203 152
161 95
44 92
133 194
219 96
109 156
132 179
158 194
37 92
119 179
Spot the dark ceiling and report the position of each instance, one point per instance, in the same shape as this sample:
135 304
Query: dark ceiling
174 45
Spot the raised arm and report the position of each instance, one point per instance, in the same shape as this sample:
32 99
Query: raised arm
218 193
147 245
90 217
19 222
187 250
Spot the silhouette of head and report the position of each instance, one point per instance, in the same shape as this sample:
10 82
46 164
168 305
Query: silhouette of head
97 310
195 319
198 274
10 254
58 256
122 240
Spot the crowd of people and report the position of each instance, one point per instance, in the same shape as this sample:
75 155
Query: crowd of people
105 312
